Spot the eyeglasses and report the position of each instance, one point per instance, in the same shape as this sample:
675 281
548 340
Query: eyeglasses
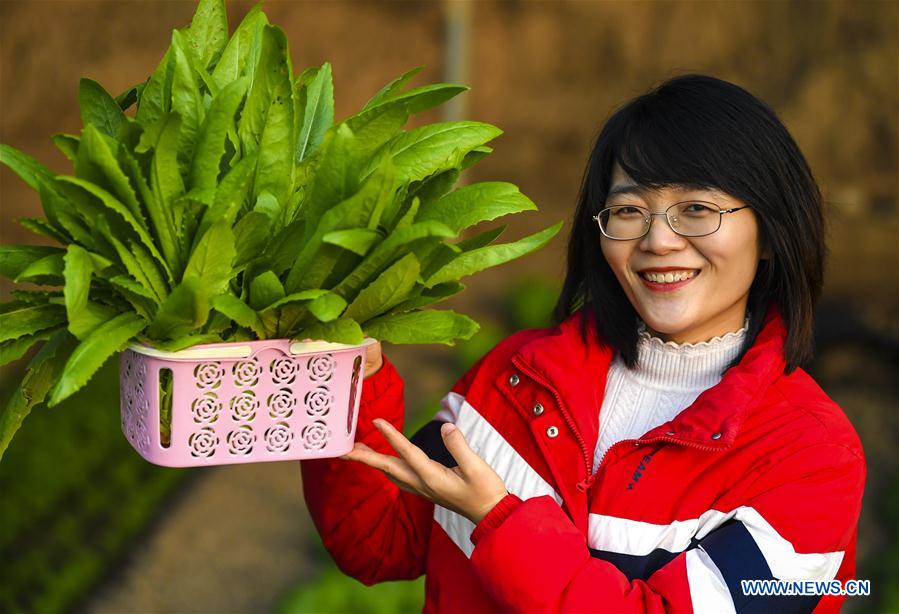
694 218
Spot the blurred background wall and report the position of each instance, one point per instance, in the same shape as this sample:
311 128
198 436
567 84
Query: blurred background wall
548 74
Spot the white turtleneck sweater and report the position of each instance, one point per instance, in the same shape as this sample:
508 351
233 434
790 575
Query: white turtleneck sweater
667 379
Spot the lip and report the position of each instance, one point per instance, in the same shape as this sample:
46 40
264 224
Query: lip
657 287
665 269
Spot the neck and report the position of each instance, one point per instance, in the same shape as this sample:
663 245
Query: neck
672 366
726 322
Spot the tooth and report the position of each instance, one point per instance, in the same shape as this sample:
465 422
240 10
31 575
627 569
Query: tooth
669 277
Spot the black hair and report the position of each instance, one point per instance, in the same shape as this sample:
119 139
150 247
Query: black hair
696 130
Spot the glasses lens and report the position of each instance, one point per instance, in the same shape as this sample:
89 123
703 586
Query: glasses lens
623 222
694 219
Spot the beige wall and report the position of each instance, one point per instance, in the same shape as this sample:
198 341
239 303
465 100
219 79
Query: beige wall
548 73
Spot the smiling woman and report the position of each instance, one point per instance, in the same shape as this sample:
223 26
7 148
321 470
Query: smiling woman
685 288
661 443
703 138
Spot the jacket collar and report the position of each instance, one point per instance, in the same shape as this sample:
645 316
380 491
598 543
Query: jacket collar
578 371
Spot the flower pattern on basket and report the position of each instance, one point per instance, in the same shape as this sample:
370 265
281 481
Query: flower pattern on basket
246 372
322 367
281 403
127 394
278 437
244 406
203 442
284 370
241 440
209 375
127 366
142 436
315 435
142 404
318 401
130 430
140 374
267 405
206 408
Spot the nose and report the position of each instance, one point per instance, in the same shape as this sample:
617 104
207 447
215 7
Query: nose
661 238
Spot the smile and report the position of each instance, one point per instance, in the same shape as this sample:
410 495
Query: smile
669 280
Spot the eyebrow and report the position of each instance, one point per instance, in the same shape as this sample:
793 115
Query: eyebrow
638 190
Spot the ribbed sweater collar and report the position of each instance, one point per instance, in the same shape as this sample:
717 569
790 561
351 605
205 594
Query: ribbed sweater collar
685 367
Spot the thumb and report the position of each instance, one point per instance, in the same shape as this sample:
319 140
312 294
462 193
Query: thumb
455 443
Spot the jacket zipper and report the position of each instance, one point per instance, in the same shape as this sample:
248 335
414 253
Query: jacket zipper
584 485
564 411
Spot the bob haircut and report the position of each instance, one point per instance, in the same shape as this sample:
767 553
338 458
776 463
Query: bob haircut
701 132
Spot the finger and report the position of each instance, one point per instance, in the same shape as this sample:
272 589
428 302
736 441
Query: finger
362 453
357 446
387 464
456 445
405 486
408 451
391 466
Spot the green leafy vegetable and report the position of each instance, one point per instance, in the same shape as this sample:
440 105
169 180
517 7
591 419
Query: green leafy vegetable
99 109
431 325
43 373
233 205
107 339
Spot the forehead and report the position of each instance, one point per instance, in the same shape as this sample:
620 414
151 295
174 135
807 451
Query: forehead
622 184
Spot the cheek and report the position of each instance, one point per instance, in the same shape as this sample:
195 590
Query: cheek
614 253
736 253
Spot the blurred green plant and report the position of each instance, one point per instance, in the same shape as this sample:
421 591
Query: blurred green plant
74 497
882 567
528 303
335 592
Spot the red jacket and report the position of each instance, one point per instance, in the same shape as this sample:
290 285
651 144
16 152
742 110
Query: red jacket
761 477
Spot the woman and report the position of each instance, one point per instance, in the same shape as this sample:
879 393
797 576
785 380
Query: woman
660 443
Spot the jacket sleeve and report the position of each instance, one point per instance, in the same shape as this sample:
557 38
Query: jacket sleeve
374 530
798 526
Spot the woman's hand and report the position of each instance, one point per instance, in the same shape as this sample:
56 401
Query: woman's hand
471 489
373 360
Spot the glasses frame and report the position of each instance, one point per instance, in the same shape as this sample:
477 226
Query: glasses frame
648 215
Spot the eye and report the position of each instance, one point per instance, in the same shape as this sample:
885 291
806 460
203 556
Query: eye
626 211
696 209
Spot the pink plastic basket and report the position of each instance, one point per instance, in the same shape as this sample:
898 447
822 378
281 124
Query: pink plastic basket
244 402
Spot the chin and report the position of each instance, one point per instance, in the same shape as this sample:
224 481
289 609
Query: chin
666 324
668 331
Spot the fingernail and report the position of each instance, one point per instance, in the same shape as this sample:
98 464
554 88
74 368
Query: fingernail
447 428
